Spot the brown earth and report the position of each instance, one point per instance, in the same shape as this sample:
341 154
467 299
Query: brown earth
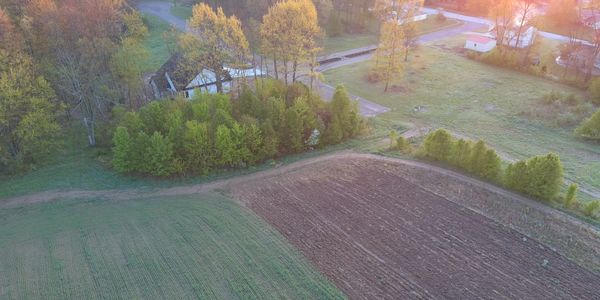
385 228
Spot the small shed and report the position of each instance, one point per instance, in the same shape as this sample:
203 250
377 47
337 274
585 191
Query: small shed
480 43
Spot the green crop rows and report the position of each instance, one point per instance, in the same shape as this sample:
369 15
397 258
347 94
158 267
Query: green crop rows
170 248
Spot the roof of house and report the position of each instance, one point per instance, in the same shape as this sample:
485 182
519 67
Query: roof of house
480 39
179 77
173 75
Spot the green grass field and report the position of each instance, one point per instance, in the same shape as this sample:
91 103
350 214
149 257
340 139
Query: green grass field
204 246
479 101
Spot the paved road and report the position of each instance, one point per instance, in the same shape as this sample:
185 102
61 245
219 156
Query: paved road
163 11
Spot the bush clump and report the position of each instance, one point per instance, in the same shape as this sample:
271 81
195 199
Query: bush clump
438 145
571 198
590 128
540 176
590 208
475 158
559 109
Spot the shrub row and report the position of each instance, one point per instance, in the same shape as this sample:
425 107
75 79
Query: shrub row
540 176
475 158
211 132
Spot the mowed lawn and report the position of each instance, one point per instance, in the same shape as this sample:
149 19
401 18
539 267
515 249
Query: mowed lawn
479 101
203 246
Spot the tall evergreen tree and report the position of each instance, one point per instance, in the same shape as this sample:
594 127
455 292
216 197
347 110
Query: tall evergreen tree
294 131
122 150
224 146
160 156
197 146
438 145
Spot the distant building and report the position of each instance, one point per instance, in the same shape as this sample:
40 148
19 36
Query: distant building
480 43
171 80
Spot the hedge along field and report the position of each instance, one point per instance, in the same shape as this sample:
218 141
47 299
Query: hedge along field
170 248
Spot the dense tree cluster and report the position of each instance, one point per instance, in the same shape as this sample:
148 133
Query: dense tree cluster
211 132
475 158
29 109
78 56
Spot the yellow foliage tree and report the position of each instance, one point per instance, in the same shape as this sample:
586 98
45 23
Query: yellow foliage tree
289 34
214 41
389 55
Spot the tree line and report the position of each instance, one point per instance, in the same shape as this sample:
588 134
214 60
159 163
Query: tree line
540 177
212 132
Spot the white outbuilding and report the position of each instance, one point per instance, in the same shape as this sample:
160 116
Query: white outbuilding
480 43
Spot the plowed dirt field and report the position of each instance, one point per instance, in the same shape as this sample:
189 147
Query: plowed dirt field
379 231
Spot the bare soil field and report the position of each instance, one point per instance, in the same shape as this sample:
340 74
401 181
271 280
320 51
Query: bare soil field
385 228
